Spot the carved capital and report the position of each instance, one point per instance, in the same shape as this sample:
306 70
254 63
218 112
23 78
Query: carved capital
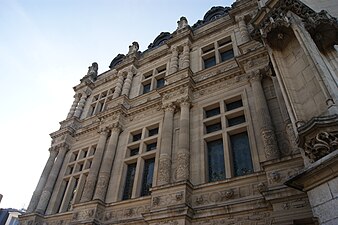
255 76
184 102
169 107
115 127
104 130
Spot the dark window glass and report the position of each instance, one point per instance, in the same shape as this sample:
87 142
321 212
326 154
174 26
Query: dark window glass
134 151
151 146
212 112
216 168
241 154
146 88
85 153
234 105
213 127
71 168
236 120
160 83
137 137
209 62
128 186
80 167
227 55
153 132
147 180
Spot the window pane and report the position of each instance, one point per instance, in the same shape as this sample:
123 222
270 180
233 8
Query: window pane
160 83
209 62
146 88
216 168
236 120
234 105
151 146
241 154
147 180
213 128
128 186
153 132
134 151
212 112
137 137
227 55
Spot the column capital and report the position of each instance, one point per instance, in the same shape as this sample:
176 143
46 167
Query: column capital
103 130
185 101
255 76
115 127
169 107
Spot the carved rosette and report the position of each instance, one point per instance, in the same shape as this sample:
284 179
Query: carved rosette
321 145
270 144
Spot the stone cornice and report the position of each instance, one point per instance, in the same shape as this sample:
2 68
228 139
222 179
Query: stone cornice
316 174
64 131
213 26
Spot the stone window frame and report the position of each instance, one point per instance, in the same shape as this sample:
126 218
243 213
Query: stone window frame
99 101
77 169
140 158
151 77
226 131
215 49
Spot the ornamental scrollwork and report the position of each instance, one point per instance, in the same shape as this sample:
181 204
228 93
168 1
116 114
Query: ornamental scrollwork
321 145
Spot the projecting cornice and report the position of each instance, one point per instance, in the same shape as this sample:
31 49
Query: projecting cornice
272 22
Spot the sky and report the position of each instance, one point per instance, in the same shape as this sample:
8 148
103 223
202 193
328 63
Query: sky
46 47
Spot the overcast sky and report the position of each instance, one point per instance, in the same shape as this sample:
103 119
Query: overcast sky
46 47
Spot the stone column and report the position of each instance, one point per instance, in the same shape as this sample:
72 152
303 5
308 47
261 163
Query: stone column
286 119
47 190
127 83
118 87
263 118
243 29
173 67
186 56
80 106
42 182
89 187
183 154
163 176
107 163
73 107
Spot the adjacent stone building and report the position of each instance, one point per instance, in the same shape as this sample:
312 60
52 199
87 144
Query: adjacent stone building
232 120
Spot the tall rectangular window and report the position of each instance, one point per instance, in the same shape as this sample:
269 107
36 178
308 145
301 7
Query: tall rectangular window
241 154
148 173
216 169
129 183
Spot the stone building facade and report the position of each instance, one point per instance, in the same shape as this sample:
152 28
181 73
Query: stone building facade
232 120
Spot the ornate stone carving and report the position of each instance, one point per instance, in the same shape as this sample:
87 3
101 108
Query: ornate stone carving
275 177
183 163
261 187
227 194
321 145
182 23
179 196
270 144
156 200
321 26
164 170
133 48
